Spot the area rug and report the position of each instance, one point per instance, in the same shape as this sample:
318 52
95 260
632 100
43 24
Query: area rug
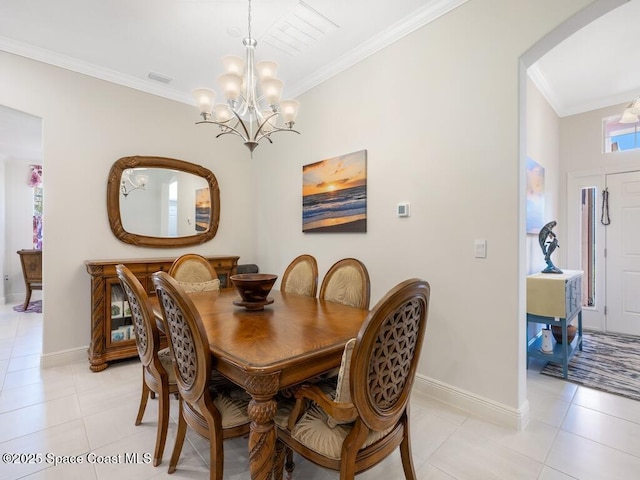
33 307
608 362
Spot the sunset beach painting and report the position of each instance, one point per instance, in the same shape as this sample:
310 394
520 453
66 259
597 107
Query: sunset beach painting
334 194
203 209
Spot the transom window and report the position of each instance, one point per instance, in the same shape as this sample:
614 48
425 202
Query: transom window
620 136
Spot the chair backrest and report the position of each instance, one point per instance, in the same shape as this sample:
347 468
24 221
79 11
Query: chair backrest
386 354
194 273
31 262
301 276
144 322
347 282
186 337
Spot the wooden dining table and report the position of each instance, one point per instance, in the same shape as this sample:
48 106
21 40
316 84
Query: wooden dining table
291 340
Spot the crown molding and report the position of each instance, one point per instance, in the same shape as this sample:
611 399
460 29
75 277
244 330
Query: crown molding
423 16
428 13
69 63
540 81
538 78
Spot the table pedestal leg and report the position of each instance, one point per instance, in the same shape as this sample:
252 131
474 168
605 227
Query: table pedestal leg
262 436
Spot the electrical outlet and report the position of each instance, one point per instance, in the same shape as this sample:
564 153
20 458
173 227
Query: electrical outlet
6 278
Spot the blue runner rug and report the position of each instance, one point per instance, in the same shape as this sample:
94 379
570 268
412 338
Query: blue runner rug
608 361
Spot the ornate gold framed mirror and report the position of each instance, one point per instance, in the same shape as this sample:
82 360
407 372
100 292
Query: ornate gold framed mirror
162 202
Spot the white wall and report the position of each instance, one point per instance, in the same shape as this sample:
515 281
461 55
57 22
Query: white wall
87 125
446 139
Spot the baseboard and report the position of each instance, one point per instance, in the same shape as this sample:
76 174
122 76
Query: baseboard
477 405
14 298
64 357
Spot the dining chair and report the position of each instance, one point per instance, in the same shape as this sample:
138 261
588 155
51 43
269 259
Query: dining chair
367 417
194 273
347 282
158 373
31 263
301 276
215 415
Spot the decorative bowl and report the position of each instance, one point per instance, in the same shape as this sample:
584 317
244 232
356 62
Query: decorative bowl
557 333
254 289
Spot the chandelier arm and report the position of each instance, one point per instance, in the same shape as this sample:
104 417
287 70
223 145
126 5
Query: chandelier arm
261 125
228 129
267 135
244 127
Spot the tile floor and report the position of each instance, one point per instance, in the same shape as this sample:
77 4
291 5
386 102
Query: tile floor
574 432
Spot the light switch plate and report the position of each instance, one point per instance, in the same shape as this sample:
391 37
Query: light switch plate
480 248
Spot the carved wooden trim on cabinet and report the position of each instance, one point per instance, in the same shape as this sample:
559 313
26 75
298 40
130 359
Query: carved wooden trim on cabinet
103 277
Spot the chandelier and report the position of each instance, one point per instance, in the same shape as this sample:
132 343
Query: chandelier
632 111
132 181
247 114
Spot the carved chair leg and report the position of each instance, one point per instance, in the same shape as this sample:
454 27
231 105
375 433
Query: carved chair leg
290 464
278 461
163 425
143 400
27 299
216 451
405 454
180 434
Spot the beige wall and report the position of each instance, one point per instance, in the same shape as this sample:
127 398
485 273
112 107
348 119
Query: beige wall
543 146
18 224
582 144
87 125
444 136
585 165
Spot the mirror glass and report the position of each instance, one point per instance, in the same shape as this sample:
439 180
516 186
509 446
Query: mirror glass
163 202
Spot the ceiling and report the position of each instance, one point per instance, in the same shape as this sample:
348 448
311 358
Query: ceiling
595 67
123 41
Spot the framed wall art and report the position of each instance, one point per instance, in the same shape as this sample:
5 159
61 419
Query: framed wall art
334 194
203 209
535 196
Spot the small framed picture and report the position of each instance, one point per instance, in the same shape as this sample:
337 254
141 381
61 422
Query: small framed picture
116 309
118 335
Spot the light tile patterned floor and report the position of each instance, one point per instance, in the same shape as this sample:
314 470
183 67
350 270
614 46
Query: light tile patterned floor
574 432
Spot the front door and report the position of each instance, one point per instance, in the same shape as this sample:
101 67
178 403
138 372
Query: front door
623 254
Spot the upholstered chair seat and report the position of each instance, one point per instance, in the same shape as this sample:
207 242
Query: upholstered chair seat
214 413
194 273
367 416
347 282
301 276
158 370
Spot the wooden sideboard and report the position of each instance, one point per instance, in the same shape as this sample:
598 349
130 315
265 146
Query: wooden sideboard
111 335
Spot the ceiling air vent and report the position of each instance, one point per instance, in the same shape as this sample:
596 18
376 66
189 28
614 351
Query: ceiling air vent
158 77
299 29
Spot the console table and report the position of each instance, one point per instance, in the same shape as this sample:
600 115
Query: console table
555 300
112 335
